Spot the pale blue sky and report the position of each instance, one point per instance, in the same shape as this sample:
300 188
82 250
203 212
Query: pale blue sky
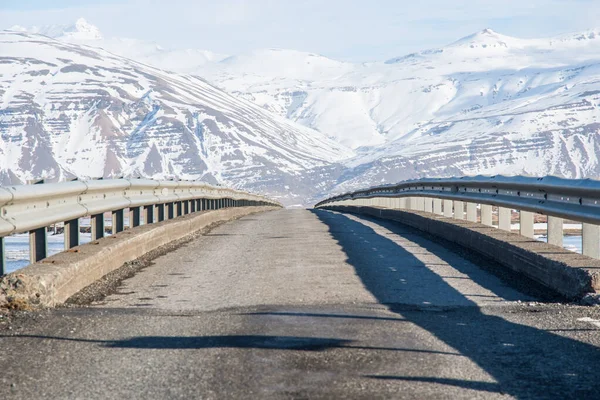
356 30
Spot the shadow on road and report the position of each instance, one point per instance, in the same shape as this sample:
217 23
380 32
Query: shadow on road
525 361
297 343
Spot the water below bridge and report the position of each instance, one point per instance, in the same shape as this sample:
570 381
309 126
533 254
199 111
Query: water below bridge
309 304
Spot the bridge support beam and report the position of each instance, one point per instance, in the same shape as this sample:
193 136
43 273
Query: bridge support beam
590 240
437 206
402 203
526 223
118 221
486 215
472 212
420 203
97 226
2 257
555 231
38 245
135 217
71 233
160 212
428 206
448 213
504 215
149 214
459 209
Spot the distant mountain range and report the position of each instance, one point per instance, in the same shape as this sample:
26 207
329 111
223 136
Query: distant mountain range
487 104
71 110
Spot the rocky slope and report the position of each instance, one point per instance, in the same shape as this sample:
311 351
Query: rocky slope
72 110
486 104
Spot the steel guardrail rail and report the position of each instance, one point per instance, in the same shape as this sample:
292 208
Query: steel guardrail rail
30 208
574 199
558 198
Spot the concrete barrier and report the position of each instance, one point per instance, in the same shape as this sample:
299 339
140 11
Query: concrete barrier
53 280
569 274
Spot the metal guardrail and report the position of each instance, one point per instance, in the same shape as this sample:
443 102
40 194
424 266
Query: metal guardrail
32 208
573 199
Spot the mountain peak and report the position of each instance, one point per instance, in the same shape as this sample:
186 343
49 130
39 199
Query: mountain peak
487 38
80 30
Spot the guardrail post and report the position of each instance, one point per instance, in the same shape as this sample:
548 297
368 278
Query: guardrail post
486 215
437 206
97 226
149 214
590 240
179 209
38 245
170 210
448 209
134 217
71 233
118 221
555 231
459 209
472 212
504 215
160 212
526 223
2 257
193 204
428 204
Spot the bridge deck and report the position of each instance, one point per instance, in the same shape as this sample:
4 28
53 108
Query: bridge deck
307 304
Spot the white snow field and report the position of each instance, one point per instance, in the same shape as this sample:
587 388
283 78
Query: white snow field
73 110
485 104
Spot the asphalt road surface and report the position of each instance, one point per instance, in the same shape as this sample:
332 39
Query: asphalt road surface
308 304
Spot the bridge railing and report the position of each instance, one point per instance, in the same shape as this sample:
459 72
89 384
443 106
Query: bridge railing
472 198
33 208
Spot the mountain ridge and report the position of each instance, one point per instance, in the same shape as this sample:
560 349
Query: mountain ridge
71 110
487 103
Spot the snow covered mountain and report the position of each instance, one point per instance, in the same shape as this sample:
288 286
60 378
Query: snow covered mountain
151 53
72 110
485 104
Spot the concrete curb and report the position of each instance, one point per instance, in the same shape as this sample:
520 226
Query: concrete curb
55 279
569 274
